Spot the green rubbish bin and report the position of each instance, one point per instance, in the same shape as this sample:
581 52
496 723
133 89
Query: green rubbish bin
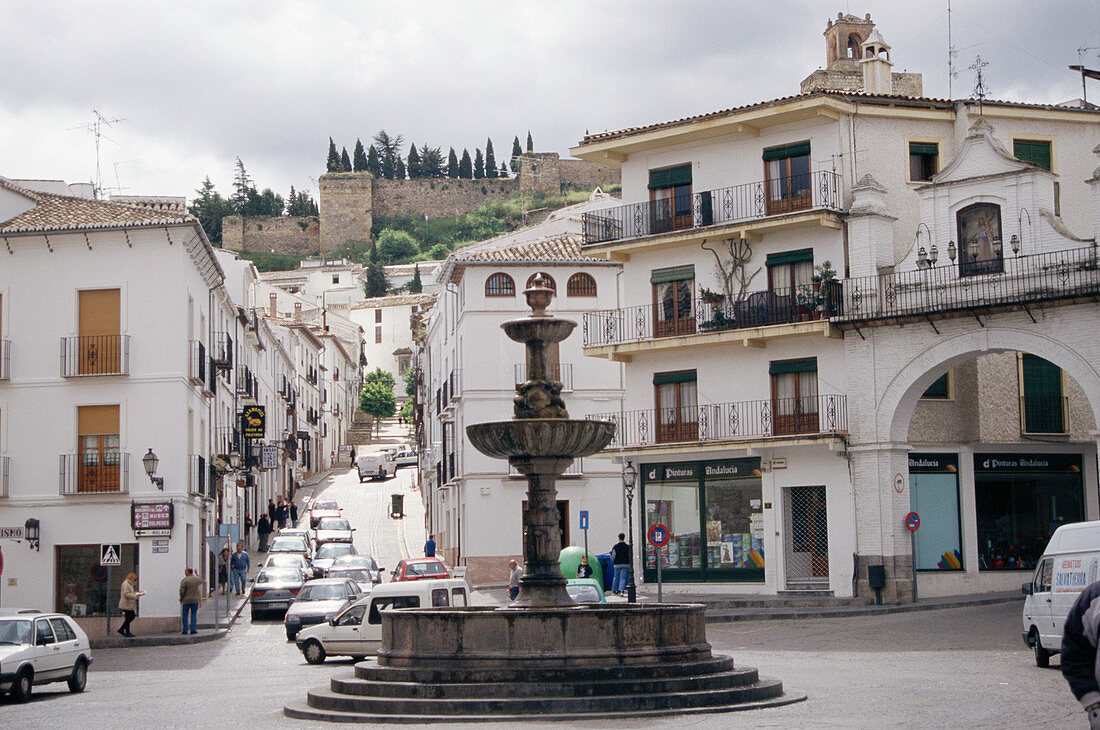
397 505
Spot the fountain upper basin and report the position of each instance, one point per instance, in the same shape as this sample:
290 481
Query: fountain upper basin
546 437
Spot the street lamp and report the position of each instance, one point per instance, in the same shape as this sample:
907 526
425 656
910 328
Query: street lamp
150 462
32 532
630 476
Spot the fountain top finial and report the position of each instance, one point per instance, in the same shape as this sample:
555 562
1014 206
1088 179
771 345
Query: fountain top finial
538 296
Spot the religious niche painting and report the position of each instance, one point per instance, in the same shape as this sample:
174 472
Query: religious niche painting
980 243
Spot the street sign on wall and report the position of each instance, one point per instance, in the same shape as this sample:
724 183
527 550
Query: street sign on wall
11 533
151 516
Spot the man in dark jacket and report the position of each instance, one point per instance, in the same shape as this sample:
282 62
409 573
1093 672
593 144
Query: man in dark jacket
1079 640
271 511
620 558
263 529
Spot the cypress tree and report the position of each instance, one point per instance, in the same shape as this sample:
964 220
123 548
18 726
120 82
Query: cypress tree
359 157
530 142
345 161
399 170
333 163
374 167
452 163
465 167
376 284
490 159
503 170
414 163
416 286
479 166
516 152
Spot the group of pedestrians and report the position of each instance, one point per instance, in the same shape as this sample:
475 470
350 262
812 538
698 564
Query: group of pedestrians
621 559
278 516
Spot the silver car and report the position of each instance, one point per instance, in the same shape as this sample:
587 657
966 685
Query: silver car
38 648
275 589
362 577
327 554
318 601
290 544
289 560
333 529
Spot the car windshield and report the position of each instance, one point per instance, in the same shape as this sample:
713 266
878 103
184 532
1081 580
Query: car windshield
333 523
334 551
15 631
584 594
430 568
326 505
280 575
365 561
286 560
356 574
287 545
326 592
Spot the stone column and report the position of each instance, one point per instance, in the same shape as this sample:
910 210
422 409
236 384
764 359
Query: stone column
542 583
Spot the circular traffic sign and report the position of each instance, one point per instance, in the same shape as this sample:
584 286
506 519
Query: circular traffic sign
657 535
912 521
99 573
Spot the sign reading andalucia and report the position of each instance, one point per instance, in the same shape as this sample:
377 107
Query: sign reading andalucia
252 422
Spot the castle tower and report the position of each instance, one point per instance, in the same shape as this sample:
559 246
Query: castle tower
875 61
844 41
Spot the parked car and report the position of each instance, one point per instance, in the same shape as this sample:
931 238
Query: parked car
38 648
275 589
328 553
420 568
585 590
288 560
333 529
318 601
405 458
357 630
290 544
360 561
361 576
301 531
376 466
323 508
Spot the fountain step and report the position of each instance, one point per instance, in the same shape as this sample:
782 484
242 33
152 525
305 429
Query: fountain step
542 688
326 699
370 669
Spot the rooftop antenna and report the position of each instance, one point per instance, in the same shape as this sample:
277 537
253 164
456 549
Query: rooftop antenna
96 128
951 54
980 89
1086 73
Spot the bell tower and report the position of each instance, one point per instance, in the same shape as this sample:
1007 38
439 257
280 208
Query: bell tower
844 39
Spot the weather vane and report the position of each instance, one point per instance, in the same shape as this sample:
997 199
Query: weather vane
980 89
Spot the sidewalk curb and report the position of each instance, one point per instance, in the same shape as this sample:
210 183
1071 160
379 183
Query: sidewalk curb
780 614
111 642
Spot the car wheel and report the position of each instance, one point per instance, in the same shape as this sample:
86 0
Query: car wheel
314 652
79 679
21 687
359 657
1042 656
255 614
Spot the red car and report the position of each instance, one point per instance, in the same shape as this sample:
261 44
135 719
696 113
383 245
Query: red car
419 569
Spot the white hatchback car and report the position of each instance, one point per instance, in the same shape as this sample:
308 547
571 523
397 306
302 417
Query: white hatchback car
38 648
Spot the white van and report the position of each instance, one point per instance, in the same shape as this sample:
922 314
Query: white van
379 465
357 630
1069 564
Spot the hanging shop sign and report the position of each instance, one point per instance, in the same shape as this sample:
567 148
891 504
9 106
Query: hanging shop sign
252 422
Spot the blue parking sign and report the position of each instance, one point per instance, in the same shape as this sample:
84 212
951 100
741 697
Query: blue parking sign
584 519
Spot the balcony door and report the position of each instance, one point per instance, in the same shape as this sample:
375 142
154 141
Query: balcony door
98 445
794 396
100 347
674 311
789 274
787 178
670 198
676 397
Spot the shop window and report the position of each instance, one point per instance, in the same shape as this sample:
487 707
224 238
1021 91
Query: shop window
82 585
500 285
794 395
547 281
670 198
98 446
676 398
581 285
980 243
787 177
1042 402
943 388
923 160
674 311
1020 499
934 495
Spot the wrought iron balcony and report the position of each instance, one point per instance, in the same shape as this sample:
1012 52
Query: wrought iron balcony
95 355
197 477
813 191
561 372
745 420
695 316
454 384
221 352
196 362
5 471
5 359
95 472
1019 281
226 440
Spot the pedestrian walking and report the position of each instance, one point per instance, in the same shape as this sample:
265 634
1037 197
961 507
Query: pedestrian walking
621 560
282 513
584 570
513 579
190 595
353 456
223 569
238 569
271 511
1079 639
429 547
248 525
263 529
127 602
293 514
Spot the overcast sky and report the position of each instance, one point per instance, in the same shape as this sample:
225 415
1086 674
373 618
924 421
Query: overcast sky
197 83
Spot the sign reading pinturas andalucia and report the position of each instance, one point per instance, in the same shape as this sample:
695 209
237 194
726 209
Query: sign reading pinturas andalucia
252 422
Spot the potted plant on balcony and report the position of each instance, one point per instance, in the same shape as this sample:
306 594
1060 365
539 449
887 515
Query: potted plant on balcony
710 297
825 284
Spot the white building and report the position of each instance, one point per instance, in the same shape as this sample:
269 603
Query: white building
388 332
771 410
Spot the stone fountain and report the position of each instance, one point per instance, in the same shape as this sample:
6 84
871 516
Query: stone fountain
544 656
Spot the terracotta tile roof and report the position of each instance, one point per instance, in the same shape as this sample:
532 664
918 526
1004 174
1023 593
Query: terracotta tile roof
394 301
66 213
565 248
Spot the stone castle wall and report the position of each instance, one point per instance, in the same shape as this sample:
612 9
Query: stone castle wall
347 208
438 197
286 235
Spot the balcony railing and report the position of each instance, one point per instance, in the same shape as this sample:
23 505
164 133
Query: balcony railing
221 352
5 359
454 382
196 362
226 440
95 355
246 383
196 477
95 472
561 372
745 420
671 319
815 190
1021 280
5 471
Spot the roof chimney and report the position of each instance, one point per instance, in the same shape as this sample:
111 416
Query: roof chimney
876 65
273 303
297 311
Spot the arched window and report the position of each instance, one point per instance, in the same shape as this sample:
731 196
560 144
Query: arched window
500 285
547 280
581 285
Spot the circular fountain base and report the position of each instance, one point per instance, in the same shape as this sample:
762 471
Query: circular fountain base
485 664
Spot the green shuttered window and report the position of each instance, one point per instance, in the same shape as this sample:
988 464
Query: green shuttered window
787 150
924 148
669 177
1033 151
790 257
681 376
677 273
805 365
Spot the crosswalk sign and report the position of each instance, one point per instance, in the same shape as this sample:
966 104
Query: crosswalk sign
110 554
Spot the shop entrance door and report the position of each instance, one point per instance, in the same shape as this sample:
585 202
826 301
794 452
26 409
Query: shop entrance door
807 538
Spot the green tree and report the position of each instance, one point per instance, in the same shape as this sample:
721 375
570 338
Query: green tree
431 162
242 183
359 157
490 159
388 152
394 247
410 383
399 173
438 252
209 208
452 163
333 163
516 152
465 167
530 142
378 375
406 413
378 400
376 285
479 166
300 204
416 286
374 167
413 165
345 161
503 170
